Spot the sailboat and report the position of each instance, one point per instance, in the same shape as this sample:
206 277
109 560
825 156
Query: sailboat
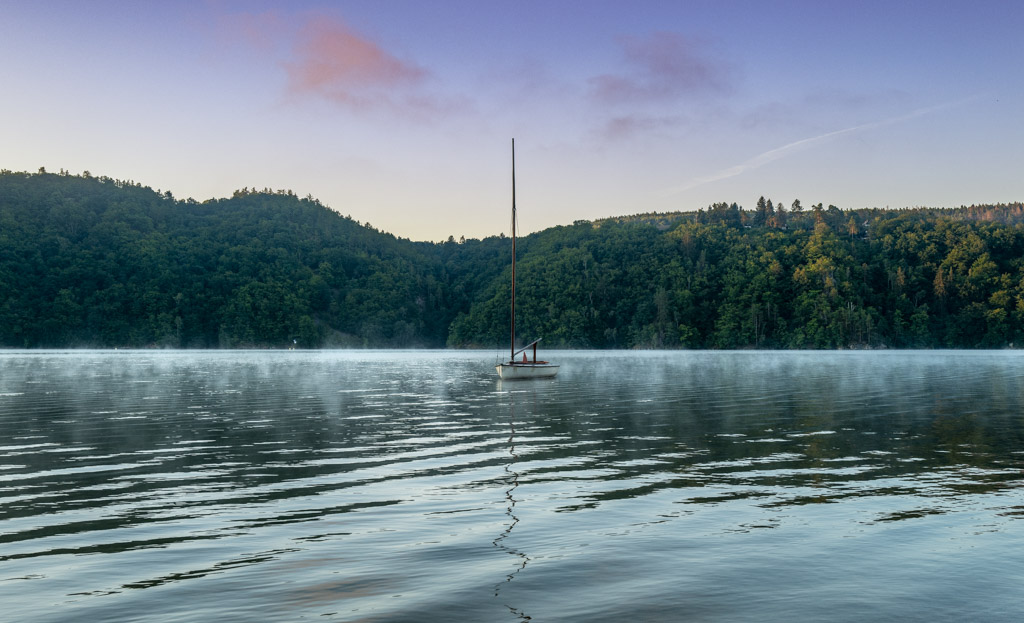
529 367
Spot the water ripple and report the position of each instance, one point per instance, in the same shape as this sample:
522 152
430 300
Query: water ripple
393 486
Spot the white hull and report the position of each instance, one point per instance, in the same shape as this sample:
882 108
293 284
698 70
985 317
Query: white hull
508 371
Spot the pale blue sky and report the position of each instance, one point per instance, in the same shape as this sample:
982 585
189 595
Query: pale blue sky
400 113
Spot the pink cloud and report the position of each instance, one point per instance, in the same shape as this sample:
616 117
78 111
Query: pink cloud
332 61
325 58
664 65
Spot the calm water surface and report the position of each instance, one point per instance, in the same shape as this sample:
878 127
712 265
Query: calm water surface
415 486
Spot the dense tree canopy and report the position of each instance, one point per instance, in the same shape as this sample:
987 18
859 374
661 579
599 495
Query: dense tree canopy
88 261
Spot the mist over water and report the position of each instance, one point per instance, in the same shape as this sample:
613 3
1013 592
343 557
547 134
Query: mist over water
404 486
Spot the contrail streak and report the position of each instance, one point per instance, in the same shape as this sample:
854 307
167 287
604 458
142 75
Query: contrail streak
780 152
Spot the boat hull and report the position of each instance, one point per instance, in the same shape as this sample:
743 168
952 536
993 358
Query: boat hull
511 371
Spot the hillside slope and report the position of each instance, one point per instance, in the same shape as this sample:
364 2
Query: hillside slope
88 261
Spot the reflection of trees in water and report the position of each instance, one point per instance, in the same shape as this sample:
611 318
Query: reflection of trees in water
512 478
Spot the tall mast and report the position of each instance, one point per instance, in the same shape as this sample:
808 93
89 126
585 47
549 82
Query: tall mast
512 344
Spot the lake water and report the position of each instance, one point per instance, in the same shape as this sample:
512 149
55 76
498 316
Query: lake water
415 486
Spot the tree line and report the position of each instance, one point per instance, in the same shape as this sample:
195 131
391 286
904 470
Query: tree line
92 261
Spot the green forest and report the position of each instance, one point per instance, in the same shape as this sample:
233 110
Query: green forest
96 262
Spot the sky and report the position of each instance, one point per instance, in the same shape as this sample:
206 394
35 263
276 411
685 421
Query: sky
401 113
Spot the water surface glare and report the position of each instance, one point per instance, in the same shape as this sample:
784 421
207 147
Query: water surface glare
416 486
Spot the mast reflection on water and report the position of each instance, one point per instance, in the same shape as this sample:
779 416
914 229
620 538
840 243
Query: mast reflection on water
512 480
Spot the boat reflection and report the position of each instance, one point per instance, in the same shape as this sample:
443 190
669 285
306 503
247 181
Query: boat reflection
512 479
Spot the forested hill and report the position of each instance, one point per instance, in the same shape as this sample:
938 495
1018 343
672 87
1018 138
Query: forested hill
97 262
88 261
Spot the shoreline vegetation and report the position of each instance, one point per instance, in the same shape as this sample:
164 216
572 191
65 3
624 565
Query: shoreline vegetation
96 262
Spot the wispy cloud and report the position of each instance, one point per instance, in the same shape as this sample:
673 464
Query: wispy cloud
324 58
790 148
336 63
625 126
661 66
